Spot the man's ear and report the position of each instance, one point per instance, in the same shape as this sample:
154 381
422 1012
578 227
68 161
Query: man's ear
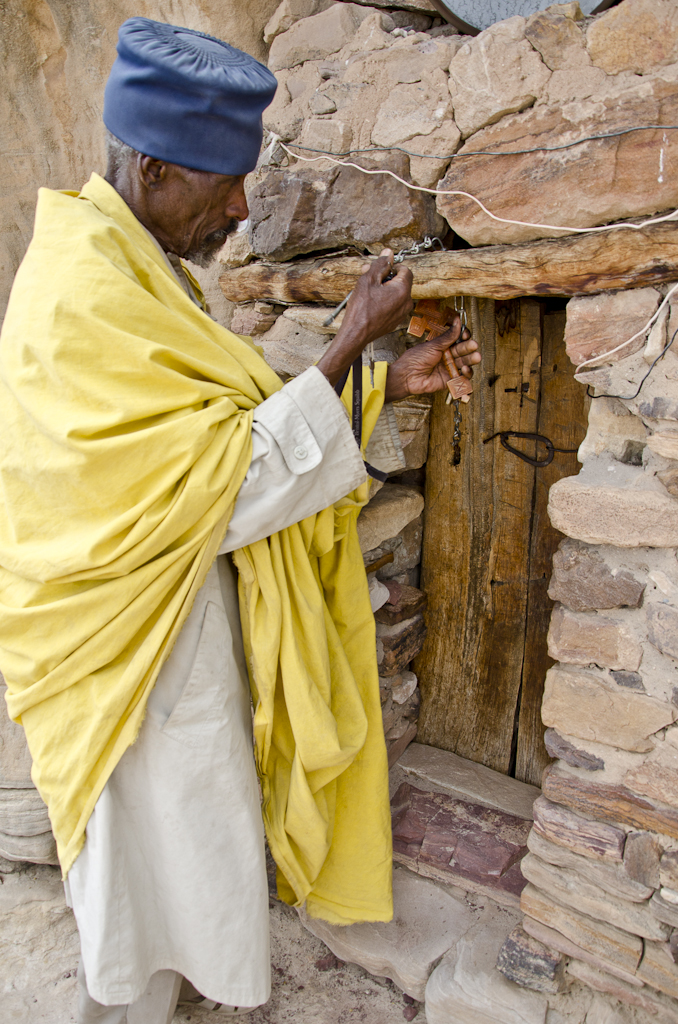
153 173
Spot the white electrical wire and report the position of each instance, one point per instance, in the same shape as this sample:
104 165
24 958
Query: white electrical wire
638 334
506 220
467 195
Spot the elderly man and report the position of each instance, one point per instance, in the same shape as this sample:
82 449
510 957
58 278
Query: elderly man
143 442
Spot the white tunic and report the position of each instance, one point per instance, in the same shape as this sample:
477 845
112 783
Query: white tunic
172 875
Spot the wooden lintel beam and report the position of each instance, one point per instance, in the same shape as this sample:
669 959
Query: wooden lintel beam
575 265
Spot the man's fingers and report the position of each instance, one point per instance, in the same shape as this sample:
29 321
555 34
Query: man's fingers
381 267
466 348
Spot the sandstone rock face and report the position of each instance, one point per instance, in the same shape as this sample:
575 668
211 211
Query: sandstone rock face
616 947
459 843
662 624
597 323
583 582
327 136
637 36
412 12
23 813
406 548
613 515
657 969
426 922
466 988
652 1002
608 803
39 948
558 39
571 889
611 878
467 780
298 211
250 321
316 37
585 959
416 109
289 12
442 143
397 645
496 73
668 869
664 443
592 183
391 509
664 911
15 759
582 703
557 746
585 639
613 430
40 849
589 838
402 603
530 963
55 70
641 858
657 777
412 416
290 349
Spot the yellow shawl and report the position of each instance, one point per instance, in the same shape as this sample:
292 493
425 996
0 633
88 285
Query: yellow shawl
126 419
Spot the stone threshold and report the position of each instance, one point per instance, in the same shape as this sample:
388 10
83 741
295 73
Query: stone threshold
442 945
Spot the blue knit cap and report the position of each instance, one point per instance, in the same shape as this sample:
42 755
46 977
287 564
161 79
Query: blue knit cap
186 97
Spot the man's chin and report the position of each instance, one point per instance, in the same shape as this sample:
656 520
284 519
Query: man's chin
206 254
203 259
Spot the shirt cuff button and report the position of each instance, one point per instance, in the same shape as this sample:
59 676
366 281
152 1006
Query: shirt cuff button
300 452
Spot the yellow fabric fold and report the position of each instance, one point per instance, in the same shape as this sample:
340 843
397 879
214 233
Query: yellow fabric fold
126 419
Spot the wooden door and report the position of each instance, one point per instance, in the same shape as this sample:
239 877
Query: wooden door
488 543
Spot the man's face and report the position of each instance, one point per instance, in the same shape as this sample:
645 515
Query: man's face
193 212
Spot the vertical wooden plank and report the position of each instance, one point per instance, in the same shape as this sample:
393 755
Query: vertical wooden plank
562 418
476 551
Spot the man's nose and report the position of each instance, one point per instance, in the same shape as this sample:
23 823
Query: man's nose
237 204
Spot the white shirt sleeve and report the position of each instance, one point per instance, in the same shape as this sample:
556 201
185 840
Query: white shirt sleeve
304 458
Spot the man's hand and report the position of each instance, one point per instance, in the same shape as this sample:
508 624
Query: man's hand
421 369
376 307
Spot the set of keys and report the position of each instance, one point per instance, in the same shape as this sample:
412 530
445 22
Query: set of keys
432 318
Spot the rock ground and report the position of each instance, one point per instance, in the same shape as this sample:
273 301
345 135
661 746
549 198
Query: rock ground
39 952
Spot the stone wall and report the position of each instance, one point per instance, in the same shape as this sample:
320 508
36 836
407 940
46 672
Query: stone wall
602 888
601 899
55 57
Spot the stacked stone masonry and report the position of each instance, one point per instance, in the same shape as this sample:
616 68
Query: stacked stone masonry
599 877
596 872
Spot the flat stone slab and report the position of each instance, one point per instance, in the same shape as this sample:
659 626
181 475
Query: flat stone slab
459 843
466 988
466 780
427 921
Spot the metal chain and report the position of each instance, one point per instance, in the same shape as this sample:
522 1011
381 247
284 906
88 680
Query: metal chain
427 243
456 435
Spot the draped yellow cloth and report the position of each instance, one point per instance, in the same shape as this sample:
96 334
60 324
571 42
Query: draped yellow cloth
126 419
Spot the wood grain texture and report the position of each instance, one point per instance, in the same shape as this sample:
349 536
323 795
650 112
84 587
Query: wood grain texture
488 545
476 549
574 265
562 418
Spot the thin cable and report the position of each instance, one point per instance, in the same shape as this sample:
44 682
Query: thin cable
490 152
467 195
629 398
638 334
